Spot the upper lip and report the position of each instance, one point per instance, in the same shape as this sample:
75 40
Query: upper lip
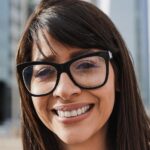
70 107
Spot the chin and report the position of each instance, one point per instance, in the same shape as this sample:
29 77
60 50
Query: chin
73 140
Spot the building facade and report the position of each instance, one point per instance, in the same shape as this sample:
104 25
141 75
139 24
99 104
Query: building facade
5 73
12 19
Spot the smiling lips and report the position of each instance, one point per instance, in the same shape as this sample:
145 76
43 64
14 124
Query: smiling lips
74 112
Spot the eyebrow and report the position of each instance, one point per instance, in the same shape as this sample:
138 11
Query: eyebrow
53 58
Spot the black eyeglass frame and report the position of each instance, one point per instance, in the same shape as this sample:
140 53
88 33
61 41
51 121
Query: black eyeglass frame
65 67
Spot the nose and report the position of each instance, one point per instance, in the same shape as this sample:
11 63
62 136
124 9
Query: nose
66 89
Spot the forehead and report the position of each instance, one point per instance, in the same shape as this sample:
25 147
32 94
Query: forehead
47 48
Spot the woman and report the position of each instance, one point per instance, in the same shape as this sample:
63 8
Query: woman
77 83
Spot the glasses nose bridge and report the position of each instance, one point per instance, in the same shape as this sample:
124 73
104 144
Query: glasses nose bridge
63 68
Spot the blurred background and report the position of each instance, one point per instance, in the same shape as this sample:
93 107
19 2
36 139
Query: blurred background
131 17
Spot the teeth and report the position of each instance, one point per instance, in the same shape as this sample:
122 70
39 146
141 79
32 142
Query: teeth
73 113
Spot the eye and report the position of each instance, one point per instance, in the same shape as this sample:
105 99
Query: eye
44 73
88 65
85 65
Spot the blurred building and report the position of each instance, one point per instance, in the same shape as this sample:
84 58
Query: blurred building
132 18
13 16
20 10
5 73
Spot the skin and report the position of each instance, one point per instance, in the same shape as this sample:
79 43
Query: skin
84 133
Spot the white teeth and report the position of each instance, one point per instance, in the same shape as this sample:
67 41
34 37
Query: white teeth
79 111
73 113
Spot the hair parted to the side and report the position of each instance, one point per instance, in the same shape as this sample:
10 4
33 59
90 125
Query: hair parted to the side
80 24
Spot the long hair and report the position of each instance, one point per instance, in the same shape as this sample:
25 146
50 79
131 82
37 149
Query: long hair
80 24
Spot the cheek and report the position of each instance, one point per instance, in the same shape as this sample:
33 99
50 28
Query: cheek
105 101
40 105
106 96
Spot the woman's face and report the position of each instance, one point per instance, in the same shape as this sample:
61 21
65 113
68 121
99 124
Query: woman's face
68 97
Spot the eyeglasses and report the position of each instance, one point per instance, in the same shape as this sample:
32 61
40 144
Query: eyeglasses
88 71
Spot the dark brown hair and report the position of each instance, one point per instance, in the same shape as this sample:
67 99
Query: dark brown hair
80 24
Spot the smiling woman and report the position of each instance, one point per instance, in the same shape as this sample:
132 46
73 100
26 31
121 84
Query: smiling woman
77 83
